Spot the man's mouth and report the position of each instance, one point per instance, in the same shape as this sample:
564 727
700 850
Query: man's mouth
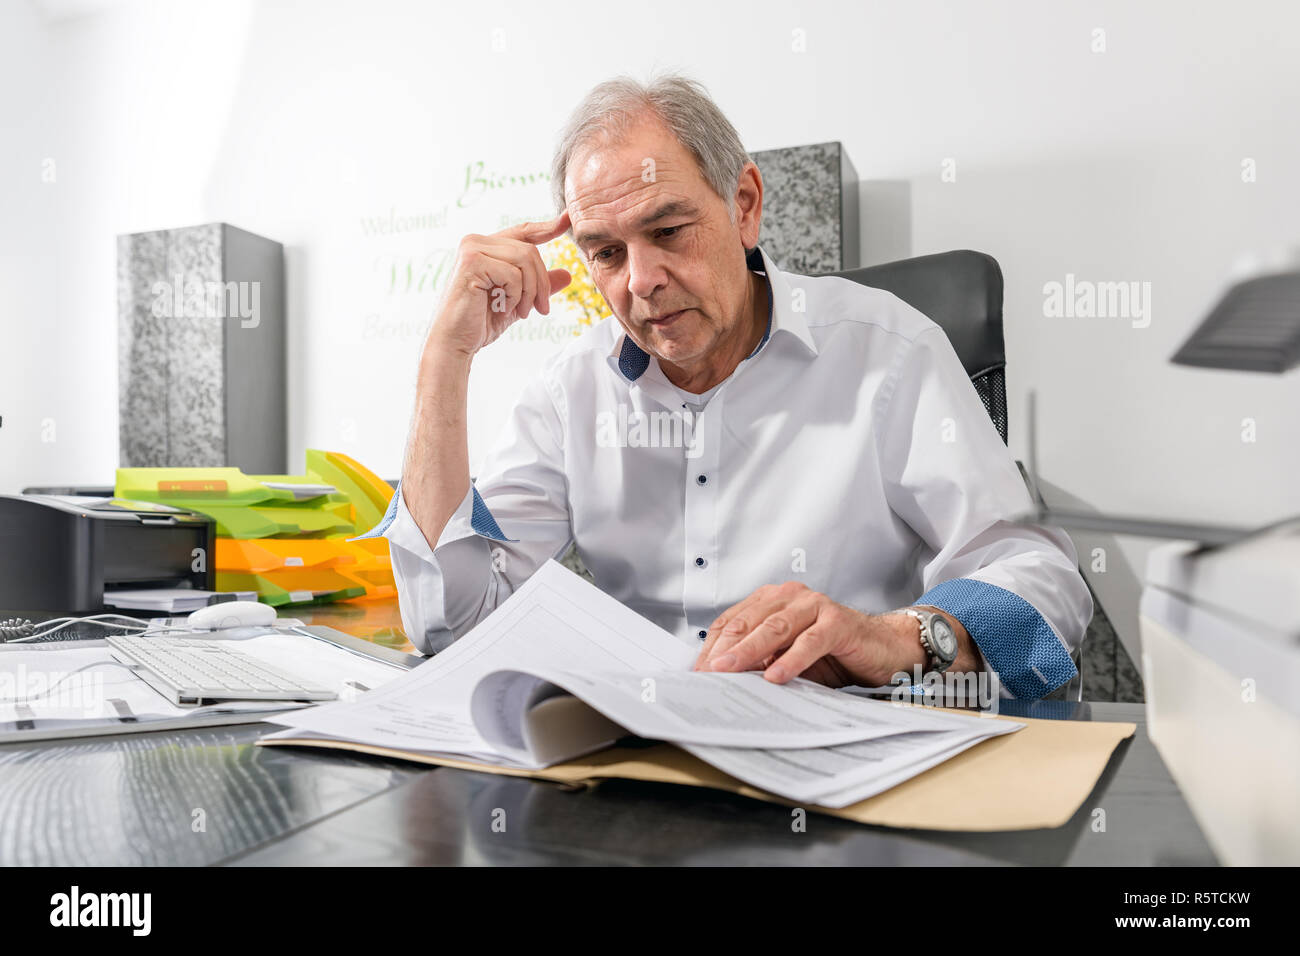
666 319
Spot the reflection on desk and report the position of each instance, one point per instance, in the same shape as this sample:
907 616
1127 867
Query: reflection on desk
378 620
136 800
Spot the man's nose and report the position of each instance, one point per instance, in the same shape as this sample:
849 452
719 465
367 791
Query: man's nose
645 272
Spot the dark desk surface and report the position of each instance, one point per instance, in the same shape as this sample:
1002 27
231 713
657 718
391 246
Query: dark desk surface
210 797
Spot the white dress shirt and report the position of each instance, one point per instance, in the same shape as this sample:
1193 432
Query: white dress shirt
849 451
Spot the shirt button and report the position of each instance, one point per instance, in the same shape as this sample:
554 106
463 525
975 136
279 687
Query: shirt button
700 562
703 634
701 478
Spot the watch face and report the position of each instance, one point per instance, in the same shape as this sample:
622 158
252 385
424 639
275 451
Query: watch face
945 641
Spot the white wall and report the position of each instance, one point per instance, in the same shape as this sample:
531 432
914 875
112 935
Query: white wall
300 121
33 392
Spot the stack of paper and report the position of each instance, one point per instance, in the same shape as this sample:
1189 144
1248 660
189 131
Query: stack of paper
561 670
174 600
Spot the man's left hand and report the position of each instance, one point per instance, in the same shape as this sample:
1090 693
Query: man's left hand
790 630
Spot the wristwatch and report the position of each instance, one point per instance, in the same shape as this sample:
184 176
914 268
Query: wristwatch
937 637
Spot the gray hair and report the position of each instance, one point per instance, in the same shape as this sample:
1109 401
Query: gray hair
682 104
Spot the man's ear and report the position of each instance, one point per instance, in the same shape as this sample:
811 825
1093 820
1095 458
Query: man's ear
749 204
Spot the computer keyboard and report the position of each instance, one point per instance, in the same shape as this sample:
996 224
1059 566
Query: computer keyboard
202 670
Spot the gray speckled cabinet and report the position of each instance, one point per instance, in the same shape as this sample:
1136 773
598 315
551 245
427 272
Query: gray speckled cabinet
201 349
810 208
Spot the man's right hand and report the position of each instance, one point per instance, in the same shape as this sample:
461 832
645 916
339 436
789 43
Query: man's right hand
497 280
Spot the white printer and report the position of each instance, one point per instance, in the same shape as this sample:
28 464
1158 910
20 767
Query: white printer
1221 662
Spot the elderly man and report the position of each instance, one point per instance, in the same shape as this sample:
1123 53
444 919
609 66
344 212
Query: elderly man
831 500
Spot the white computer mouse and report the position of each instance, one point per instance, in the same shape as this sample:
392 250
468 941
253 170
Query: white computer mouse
219 617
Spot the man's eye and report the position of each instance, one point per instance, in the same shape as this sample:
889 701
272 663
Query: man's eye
601 257
667 232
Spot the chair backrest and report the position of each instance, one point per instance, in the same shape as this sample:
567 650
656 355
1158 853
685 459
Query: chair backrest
961 292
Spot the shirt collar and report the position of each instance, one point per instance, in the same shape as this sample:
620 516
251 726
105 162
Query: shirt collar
632 361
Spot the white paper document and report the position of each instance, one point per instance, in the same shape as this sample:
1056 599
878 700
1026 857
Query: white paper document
842 775
709 709
551 620
54 690
561 669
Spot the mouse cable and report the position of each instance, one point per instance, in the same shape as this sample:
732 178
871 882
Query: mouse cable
5 701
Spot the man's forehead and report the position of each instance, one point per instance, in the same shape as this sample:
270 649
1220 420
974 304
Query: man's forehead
635 157
607 195
604 176
630 199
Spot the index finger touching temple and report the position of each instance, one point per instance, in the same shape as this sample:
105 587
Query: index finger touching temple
540 232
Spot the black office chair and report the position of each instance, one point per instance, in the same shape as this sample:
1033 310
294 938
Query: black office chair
961 292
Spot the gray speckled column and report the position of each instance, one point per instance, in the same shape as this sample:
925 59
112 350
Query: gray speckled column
810 208
141 351
1108 671
200 389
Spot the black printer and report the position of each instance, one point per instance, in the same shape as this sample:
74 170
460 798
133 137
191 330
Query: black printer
61 552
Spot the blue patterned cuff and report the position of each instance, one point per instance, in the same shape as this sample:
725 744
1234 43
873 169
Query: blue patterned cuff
386 520
1029 659
483 523
480 520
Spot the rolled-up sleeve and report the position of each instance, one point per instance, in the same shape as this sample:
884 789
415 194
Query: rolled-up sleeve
1015 588
511 521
